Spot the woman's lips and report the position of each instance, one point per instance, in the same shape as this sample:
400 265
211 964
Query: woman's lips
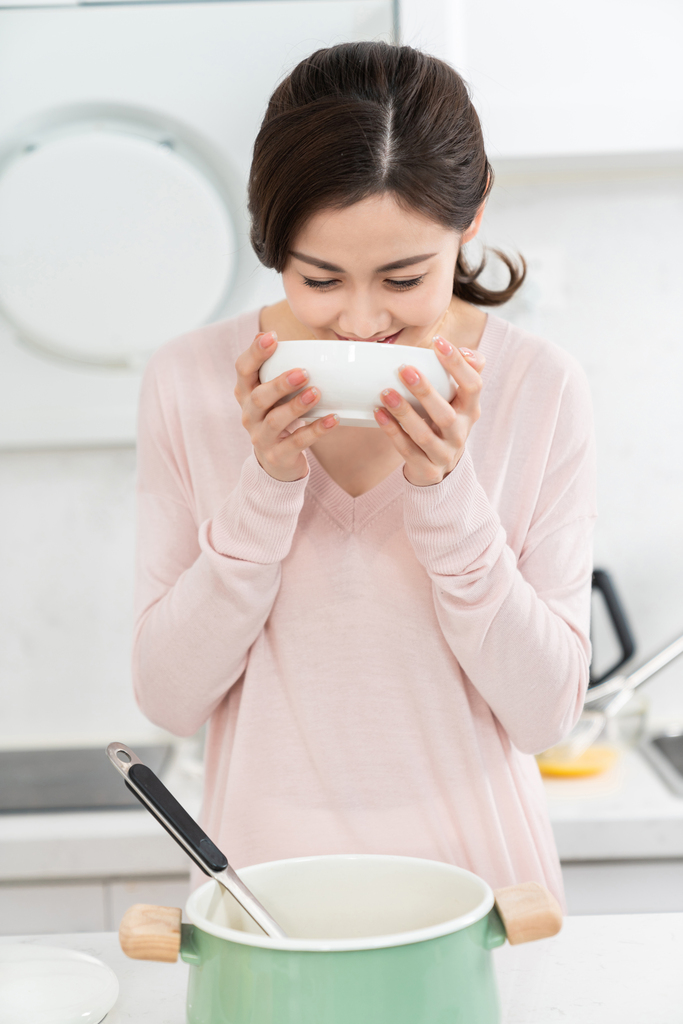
388 339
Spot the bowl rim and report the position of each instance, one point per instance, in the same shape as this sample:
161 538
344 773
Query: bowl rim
343 345
435 931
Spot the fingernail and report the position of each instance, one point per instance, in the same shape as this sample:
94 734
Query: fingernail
330 421
467 353
443 345
266 340
382 416
309 396
297 377
391 398
409 375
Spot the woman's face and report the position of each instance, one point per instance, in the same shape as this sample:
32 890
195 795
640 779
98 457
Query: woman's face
373 272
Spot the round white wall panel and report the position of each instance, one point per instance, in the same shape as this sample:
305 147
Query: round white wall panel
115 235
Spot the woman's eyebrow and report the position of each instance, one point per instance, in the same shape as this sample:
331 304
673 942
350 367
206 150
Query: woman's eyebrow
317 263
409 261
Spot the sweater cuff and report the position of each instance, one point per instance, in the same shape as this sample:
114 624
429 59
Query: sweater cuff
257 522
451 524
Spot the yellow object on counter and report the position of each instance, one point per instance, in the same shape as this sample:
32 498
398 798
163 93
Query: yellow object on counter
593 761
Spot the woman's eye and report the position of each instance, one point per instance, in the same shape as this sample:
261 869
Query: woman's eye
402 285
312 282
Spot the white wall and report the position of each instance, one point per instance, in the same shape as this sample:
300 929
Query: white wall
606 262
66 549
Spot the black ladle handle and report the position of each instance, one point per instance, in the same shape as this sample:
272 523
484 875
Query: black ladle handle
603 582
153 795
151 792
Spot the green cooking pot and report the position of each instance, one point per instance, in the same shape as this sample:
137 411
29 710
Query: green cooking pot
372 940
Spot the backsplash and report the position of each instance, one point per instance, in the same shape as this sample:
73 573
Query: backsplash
65 605
605 266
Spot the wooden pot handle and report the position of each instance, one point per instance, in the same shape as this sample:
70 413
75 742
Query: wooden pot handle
528 911
151 933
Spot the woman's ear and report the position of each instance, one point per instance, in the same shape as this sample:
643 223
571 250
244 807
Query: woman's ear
473 229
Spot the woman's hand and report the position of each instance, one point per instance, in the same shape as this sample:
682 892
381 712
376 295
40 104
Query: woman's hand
432 452
281 454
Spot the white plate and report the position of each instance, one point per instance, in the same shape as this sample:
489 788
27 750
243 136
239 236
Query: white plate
48 985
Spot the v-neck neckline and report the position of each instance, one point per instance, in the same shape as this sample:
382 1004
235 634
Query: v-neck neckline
352 513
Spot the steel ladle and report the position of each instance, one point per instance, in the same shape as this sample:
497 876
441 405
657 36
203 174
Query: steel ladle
154 796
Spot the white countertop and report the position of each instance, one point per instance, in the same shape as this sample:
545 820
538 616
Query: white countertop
626 813
621 969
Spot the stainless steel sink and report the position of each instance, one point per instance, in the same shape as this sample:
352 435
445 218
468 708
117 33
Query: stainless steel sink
665 754
80 779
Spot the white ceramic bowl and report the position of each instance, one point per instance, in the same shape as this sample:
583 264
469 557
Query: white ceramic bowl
351 375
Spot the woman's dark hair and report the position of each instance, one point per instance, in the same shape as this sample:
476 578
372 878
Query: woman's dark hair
361 119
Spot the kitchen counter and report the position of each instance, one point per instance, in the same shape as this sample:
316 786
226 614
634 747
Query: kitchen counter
96 844
602 818
627 813
79 872
599 970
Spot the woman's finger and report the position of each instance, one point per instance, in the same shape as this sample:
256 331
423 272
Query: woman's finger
441 413
464 366
437 449
304 437
249 362
282 458
418 468
264 396
402 441
276 419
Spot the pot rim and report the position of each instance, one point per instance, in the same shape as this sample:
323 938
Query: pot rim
435 931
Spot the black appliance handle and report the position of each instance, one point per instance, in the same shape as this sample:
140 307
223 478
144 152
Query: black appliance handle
603 582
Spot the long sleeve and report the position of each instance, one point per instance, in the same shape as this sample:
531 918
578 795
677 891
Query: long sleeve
203 591
516 618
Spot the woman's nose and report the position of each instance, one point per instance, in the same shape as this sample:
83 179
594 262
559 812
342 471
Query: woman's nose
363 322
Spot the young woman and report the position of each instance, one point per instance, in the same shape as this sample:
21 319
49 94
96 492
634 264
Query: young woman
381 627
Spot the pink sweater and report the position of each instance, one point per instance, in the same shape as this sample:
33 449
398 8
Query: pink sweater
378 671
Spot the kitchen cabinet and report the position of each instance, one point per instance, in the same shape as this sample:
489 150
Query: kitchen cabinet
122 893
94 905
76 906
590 77
81 870
624 886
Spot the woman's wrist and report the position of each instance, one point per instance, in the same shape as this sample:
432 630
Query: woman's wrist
272 472
433 483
